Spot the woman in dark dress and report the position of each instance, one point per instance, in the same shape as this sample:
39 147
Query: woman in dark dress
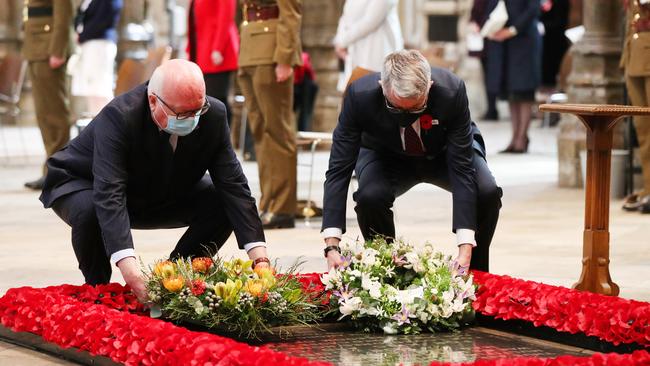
555 16
514 66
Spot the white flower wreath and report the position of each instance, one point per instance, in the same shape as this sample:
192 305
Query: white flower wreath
391 286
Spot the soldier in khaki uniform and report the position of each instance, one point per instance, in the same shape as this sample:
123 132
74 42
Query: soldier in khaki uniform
48 27
636 61
270 47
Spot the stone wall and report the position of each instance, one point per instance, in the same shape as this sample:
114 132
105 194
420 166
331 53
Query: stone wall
595 78
320 19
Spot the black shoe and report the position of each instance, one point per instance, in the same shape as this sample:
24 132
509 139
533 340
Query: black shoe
36 185
277 221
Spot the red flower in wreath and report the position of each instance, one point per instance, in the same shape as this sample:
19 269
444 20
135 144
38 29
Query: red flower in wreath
198 287
426 121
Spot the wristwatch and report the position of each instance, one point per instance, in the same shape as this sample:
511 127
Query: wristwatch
331 247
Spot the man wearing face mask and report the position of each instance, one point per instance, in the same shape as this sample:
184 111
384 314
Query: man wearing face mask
409 125
141 164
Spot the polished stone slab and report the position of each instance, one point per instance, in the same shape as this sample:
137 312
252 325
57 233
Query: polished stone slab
467 345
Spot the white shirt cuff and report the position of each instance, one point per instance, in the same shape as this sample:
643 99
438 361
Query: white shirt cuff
254 244
465 236
332 232
121 254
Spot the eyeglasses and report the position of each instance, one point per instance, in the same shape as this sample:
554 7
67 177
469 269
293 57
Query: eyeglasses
394 110
186 115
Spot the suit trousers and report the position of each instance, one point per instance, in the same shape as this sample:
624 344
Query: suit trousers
217 85
50 93
382 179
638 89
270 116
201 210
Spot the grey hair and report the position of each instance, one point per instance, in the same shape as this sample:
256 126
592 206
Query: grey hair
406 74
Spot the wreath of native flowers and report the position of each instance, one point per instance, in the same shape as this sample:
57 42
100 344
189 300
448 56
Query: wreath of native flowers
230 295
391 286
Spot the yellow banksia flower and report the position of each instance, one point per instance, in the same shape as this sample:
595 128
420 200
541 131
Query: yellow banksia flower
174 284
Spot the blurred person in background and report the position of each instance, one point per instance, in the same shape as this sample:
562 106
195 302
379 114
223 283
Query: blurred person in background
514 66
478 16
213 43
368 31
555 17
635 57
305 90
93 73
46 46
269 50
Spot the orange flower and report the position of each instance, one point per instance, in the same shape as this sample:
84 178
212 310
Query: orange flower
201 265
254 287
174 284
164 269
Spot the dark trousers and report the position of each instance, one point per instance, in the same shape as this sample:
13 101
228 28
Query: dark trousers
304 99
382 180
491 98
217 85
201 210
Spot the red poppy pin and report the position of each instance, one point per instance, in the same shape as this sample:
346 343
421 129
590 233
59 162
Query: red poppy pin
426 121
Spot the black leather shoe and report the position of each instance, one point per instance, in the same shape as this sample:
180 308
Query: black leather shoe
277 221
636 202
36 185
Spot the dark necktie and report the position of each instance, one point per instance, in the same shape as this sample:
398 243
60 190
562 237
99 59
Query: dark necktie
412 143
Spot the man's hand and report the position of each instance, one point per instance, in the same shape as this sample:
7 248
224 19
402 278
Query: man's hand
133 277
341 52
216 57
259 252
56 62
333 257
502 35
282 72
464 257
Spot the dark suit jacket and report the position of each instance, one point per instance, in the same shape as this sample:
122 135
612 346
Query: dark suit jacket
365 122
121 157
99 20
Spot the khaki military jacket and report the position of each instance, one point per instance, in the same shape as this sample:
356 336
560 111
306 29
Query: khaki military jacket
272 41
47 36
636 50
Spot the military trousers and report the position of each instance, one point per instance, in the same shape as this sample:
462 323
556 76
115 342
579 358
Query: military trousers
50 93
270 116
638 88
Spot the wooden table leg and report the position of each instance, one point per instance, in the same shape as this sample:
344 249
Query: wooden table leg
595 275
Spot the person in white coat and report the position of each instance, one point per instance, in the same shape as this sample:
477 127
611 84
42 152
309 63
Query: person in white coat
368 30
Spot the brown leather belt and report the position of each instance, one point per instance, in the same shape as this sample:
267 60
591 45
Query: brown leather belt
255 13
642 25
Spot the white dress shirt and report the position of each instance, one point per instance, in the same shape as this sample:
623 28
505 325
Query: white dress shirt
463 236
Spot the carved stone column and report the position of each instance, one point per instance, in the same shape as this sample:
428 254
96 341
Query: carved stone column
10 36
133 33
319 22
595 79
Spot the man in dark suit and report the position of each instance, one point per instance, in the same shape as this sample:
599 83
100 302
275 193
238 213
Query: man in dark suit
141 164
409 125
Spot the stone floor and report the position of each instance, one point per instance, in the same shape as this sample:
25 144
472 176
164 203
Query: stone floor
539 236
